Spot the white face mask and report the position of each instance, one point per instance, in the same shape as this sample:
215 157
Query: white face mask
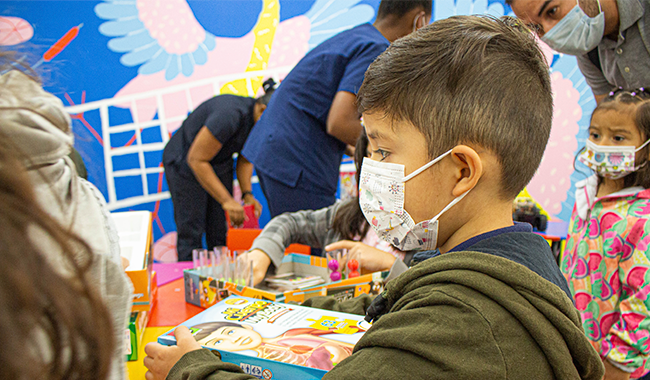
381 197
610 161
576 33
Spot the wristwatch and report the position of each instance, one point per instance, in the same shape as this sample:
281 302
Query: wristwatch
245 193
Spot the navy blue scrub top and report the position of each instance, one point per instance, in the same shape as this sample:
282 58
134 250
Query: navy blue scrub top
228 117
291 139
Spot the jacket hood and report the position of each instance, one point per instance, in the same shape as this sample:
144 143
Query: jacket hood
541 307
34 118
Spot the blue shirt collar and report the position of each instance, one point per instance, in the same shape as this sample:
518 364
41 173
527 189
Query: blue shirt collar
518 227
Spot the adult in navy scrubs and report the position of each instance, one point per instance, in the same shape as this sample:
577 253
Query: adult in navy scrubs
199 167
298 144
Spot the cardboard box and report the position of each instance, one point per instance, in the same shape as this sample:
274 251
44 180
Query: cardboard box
136 241
134 333
204 291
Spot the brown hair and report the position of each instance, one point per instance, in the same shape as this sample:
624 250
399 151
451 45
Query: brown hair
349 221
209 327
639 99
469 79
399 8
54 326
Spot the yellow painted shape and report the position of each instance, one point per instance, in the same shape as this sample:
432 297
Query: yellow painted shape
324 323
264 32
136 369
525 194
345 327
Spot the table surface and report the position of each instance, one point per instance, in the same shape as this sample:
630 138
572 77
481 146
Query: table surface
170 309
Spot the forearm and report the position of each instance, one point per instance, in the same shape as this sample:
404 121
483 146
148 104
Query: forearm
208 179
244 174
347 131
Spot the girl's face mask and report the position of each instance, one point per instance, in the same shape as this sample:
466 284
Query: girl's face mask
381 197
612 162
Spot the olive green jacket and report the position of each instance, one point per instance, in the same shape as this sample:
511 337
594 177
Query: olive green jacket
463 315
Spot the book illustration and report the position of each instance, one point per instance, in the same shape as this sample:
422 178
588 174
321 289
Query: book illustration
300 346
276 332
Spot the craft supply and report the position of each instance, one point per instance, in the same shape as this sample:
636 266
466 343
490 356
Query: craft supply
251 275
195 259
203 262
353 265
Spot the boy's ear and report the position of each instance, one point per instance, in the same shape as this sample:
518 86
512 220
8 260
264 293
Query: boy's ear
469 169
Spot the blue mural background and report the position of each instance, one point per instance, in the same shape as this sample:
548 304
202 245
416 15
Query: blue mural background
90 69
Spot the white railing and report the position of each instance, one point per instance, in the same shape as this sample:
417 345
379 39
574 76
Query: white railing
137 126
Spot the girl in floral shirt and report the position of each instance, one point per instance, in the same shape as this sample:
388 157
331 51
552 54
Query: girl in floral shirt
607 257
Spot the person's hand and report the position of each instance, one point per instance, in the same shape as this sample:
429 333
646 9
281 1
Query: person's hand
235 211
261 262
370 259
249 199
160 359
613 373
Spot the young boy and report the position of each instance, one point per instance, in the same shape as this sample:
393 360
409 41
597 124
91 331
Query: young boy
463 109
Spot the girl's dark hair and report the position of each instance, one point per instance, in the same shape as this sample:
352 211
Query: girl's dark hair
639 98
349 220
54 326
269 89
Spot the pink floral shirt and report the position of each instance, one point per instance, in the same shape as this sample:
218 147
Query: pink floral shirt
606 263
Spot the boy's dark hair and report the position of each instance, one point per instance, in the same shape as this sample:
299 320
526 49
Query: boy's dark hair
349 221
639 98
469 80
269 89
210 327
399 8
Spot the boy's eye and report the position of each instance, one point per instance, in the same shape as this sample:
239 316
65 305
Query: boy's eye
383 153
230 332
216 342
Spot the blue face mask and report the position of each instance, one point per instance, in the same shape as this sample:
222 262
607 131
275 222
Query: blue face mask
576 33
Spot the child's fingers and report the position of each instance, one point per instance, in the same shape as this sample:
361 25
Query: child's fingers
342 244
153 349
185 340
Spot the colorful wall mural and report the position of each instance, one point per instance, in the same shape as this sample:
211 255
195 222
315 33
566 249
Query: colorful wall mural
130 71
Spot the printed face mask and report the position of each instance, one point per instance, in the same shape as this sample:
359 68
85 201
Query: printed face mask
610 161
576 33
381 197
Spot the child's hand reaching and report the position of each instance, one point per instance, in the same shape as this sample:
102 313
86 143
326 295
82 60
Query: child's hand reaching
370 259
261 262
160 359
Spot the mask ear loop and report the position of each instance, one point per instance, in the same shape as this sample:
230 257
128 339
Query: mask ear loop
415 23
425 166
642 146
451 204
